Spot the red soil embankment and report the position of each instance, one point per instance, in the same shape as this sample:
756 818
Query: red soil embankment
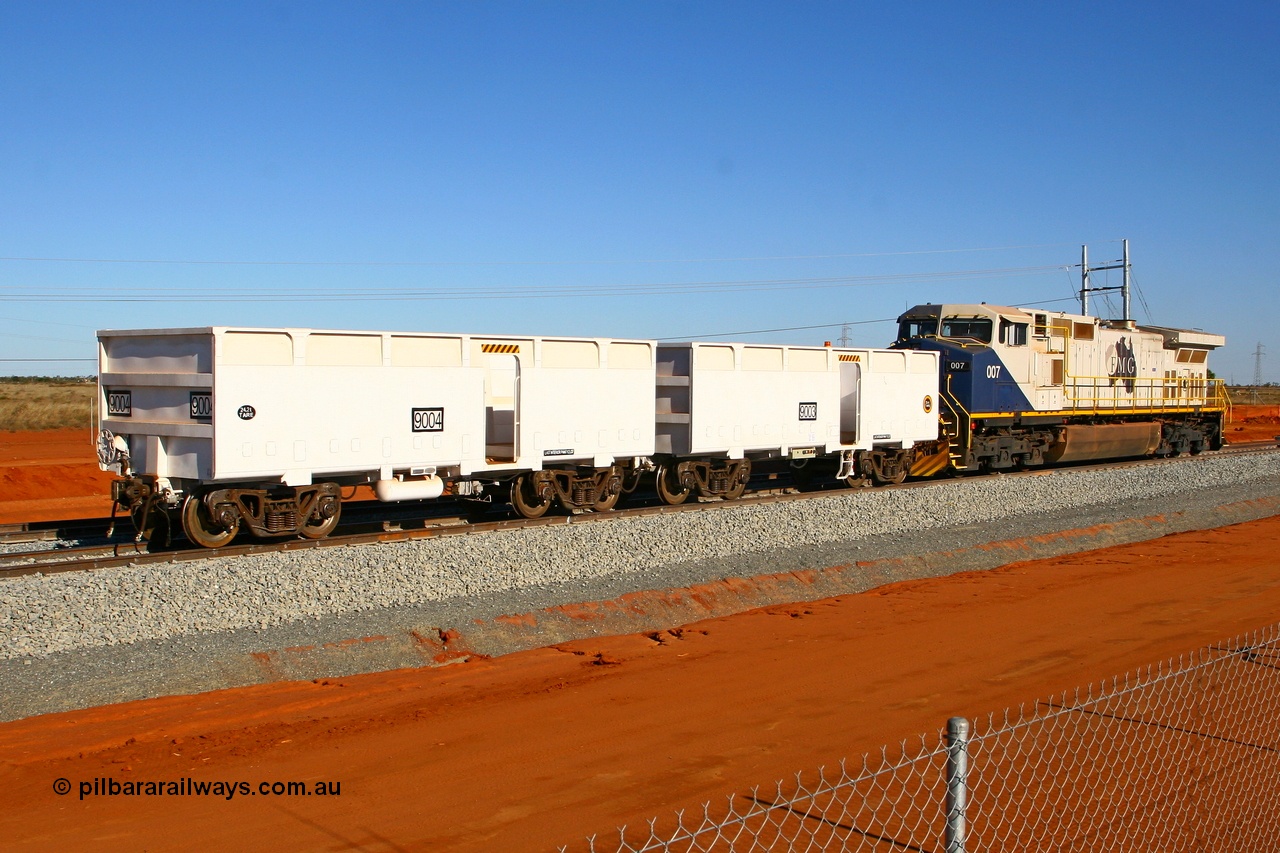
1253 423
51 475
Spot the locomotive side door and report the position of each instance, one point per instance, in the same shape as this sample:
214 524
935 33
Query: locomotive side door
1013 377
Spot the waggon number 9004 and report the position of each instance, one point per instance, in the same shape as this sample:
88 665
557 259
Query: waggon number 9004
120 403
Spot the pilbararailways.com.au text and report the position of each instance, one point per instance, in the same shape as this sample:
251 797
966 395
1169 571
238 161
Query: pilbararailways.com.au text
187 787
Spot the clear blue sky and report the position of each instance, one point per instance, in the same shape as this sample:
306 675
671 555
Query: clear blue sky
624 156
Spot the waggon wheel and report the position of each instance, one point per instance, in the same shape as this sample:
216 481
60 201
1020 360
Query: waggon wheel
317 526
739 481
526 502
667 482
200 527
894 479
609 496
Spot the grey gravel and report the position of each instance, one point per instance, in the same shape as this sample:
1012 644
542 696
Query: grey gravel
45 615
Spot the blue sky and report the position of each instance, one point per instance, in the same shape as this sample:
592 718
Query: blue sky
629 169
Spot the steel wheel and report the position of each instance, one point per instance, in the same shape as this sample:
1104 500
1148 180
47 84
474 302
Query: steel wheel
890 480
525 500
667 482
317 526
739 481
896 479
609 497
200 527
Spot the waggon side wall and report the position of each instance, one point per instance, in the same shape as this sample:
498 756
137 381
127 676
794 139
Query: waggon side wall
900 397
292 405
733 399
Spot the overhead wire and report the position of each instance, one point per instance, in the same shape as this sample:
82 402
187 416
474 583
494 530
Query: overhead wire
216 262
18 293
829 325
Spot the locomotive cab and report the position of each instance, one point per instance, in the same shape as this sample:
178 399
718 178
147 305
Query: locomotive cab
985 356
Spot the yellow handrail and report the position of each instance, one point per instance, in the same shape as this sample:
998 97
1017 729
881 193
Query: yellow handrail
1147 394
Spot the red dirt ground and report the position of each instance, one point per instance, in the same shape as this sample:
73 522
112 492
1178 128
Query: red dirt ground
50 476
540 748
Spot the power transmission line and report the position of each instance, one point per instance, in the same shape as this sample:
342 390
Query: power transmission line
215 262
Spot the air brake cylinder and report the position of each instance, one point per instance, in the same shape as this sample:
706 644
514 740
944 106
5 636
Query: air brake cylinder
417 489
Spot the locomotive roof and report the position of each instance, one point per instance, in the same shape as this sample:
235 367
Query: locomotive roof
1173 337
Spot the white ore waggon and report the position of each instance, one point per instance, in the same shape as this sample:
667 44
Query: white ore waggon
219 429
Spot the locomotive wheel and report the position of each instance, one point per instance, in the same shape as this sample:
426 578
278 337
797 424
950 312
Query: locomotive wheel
199 526
666 480
525 501
318 528
739 482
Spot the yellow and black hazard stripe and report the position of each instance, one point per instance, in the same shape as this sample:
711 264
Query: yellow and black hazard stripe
500 348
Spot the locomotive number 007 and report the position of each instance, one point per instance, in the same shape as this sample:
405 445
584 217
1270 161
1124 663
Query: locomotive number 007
428 420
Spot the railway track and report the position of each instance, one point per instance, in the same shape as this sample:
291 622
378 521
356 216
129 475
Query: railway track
429 521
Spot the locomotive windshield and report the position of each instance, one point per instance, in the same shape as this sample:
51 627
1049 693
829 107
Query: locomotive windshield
976 328
917 327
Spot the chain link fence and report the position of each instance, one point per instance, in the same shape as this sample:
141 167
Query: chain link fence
1184 756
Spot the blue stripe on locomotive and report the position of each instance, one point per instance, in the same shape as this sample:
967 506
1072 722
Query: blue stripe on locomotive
977 378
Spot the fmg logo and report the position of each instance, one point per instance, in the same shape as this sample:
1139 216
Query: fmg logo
1123 364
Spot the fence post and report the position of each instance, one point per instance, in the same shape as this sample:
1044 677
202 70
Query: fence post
957 783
